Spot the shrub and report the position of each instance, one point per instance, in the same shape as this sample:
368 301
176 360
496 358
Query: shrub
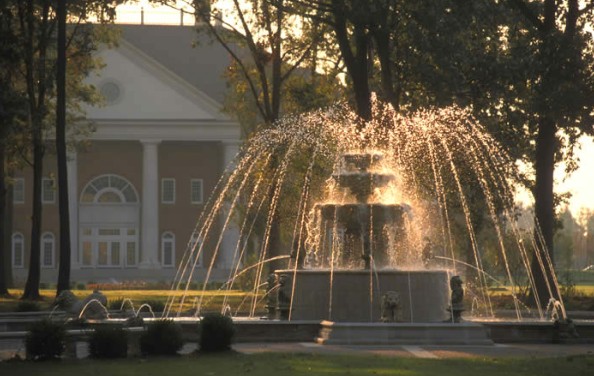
216 333
156 305
134 321
115 304
162 337
108 343
81 286
28 306
45 340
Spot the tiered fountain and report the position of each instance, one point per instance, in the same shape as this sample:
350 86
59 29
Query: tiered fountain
346 211
356 246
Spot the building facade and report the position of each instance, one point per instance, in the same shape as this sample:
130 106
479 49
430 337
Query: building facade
139 182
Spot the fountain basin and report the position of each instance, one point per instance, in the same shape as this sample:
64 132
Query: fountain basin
355 295
340 333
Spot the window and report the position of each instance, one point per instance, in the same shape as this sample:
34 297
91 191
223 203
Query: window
196 191
18 191
18 250
168 249
48 192
168 191
109 189
131 254
47 250
109 247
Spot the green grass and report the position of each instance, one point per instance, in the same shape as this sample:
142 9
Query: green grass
285 364
212 299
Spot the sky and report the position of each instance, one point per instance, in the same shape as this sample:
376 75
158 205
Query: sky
580 183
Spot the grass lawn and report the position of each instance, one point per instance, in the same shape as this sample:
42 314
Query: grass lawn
212 299
282 364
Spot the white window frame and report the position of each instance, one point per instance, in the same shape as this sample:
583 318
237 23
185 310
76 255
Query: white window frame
48 238
201 199
168 238
164 199
44 198
21 240
18 183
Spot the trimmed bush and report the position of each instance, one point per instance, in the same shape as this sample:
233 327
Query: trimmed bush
156 305
135 321
28 306
162 337
216 333
108 343
45 340
115 304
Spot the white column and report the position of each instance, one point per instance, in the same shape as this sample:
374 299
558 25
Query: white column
231 234
72 170
149 245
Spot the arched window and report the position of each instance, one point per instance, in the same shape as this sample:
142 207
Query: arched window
48 246
18 250
109 189
168 249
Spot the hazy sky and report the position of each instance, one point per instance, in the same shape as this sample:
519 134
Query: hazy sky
580 183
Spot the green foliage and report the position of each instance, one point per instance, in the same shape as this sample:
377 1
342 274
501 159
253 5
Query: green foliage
216 333
28 306
162 337
45 340
135 321
246 279
115 304
156 305
108 343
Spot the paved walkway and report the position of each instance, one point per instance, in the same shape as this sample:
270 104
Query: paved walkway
432 352
8 348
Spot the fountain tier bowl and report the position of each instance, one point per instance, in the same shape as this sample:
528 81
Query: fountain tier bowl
356 295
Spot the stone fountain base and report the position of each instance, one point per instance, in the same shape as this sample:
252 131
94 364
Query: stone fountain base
348 333
355 295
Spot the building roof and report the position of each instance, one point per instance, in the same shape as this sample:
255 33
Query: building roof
194 57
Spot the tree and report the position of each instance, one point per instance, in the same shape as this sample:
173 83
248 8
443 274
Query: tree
35 35
553 40
10 106
64 266
35 27
354 25
105 11
267 60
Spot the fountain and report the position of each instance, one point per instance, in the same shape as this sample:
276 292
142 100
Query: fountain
373 219
355 251
377 227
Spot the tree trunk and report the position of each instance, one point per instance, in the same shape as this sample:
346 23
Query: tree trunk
360 75
7 217
356 63
64 262
3 204
32 285
544 211
382 42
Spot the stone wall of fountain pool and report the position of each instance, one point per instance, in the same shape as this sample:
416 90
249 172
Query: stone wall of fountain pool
355 295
